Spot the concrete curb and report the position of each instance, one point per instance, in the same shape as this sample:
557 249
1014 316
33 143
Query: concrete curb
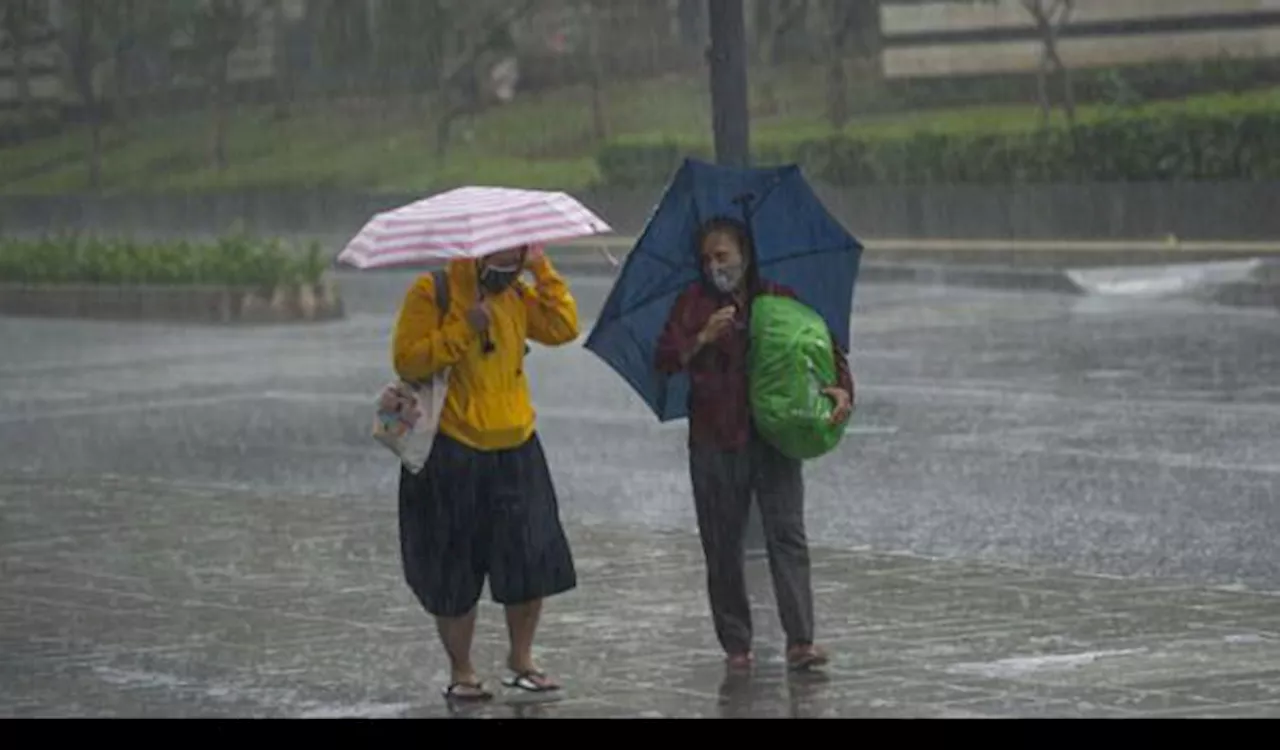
993 253
303 303
989 277
999 277
1260 289
618 243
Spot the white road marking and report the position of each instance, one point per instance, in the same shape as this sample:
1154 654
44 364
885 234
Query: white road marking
1009 393
1167 460
1025 666
872 430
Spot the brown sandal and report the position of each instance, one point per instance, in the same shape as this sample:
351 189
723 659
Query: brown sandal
805 658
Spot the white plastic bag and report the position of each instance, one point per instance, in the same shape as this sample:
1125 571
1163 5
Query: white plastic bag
408 417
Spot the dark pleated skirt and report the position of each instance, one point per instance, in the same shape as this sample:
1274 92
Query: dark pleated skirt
470 515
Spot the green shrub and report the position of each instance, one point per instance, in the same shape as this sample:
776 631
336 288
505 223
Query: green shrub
1231 143
1124 85
642 162
231 261
17 126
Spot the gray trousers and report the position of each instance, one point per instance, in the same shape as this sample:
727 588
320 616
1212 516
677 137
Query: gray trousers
724 485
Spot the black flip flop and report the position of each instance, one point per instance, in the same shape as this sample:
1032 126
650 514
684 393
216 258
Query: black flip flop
481 695
527 681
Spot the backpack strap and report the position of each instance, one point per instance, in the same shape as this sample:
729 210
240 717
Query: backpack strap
440 279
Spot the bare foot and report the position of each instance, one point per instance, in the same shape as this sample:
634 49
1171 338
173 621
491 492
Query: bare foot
740 662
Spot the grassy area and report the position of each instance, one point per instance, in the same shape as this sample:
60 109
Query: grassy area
546 140
231 261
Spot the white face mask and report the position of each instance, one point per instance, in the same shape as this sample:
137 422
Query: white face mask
727 278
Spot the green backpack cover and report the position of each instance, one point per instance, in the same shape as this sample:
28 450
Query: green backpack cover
790 363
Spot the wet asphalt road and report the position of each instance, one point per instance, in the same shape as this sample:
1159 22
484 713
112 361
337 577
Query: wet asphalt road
1035 429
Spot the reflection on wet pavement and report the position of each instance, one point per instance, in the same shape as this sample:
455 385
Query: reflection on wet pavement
196 523
133 598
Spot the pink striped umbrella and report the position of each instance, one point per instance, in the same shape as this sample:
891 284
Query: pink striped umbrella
469 222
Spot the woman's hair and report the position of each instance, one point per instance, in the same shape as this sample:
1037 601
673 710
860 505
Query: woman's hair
725 225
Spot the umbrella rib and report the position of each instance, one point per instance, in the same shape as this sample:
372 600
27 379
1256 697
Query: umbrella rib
768 194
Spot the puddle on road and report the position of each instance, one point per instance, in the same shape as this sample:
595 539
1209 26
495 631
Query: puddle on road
1024 666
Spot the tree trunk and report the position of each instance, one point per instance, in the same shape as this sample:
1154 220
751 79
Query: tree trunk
866 35
220 160
837 91
1066 7
220 134
838 20
218 101
1060 72
766 32
282 63
95 145
444 126
1069 95
599 120
21 71
1041 18
769 104
1042 92
83 67
774 21
123 109
1050 21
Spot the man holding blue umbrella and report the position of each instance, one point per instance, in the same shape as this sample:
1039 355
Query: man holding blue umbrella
676 327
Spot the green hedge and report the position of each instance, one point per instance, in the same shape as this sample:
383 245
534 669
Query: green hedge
1113 86
232 261
1186 146
17 127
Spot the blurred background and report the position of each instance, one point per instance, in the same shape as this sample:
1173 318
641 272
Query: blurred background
1065 342
965 118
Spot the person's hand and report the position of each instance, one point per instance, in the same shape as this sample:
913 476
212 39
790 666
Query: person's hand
844 404
720 322
478 317
535 257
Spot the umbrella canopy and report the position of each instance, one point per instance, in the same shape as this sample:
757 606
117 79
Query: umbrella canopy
469 222
798 244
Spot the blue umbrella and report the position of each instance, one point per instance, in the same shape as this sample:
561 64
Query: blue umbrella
798 244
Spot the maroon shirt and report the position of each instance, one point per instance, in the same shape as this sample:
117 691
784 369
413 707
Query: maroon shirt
719 402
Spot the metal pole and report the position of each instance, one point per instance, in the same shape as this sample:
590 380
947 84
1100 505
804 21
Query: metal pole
731 121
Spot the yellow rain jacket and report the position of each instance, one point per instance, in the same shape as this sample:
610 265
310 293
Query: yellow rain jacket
488 407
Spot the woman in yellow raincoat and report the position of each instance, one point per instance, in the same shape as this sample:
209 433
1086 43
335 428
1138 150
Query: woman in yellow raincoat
484 505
